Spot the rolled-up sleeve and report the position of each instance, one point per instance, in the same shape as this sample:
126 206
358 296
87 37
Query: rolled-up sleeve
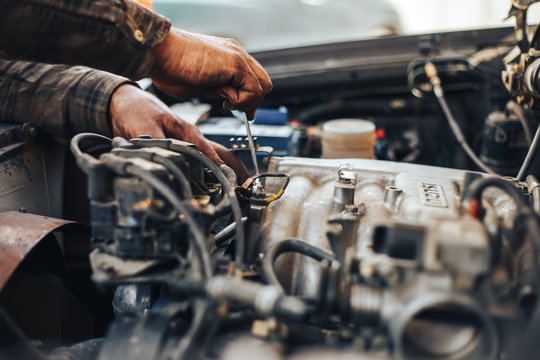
117 36
58 99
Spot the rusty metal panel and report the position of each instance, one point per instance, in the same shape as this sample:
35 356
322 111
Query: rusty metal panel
19 234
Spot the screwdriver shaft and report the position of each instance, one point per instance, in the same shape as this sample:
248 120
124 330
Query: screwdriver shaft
251 145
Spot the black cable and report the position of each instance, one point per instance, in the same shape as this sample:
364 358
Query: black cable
431 72
477 188
229 192
228 189
77 139
199 239
85 160
183 181
290 245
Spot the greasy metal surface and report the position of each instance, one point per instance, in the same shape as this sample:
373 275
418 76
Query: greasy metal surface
307 203
19 233
23 182
305 207
428 197
31 174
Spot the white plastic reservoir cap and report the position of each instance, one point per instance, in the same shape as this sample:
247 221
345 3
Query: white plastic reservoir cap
348 138
348 126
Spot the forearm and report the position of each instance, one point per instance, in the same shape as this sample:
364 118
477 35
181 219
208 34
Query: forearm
57 99
118 36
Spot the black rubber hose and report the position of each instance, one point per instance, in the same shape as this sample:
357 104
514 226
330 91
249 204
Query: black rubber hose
75 143
85 160
229 192
477 188
456 130
290 245
218 173
183 181
199 238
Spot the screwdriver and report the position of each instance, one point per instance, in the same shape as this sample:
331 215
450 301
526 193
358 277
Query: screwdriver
243 117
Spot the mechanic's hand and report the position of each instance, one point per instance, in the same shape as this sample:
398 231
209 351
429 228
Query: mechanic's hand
189 65
136 112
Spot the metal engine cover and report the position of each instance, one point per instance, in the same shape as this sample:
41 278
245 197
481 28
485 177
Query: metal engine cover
392 192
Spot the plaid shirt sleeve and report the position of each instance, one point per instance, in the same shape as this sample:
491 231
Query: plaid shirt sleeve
60 100
112 35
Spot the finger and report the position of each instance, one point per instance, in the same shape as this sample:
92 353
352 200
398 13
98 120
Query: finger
179 129
231 160
258 70
254 65
208 150
243 93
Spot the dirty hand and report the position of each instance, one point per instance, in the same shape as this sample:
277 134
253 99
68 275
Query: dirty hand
189 65
135 112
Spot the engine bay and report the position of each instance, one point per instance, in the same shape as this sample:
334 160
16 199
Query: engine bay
428 250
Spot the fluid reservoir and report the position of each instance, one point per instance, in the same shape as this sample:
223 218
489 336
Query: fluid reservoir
348 138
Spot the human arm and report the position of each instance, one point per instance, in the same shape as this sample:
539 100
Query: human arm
136 112
65 100
59 100
122 37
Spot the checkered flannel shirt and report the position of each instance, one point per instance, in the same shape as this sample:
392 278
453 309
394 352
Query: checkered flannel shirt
59 100
112 35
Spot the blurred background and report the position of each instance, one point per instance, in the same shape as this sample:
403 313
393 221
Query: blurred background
275 24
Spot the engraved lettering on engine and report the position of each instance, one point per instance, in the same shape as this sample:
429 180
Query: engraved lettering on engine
432 195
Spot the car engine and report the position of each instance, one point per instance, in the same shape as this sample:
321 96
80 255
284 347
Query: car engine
428 262
399 257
